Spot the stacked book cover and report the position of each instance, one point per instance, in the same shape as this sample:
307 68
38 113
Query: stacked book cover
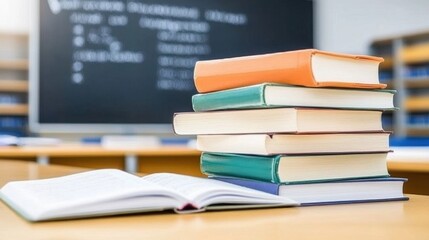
302 124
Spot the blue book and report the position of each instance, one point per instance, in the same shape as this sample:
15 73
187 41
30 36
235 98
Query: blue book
12 122
335 192
409 141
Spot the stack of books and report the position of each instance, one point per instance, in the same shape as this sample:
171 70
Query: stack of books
301 124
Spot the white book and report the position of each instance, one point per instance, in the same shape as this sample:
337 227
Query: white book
277 120
110 192
265 144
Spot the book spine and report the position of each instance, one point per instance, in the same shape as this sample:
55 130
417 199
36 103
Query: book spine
262 168
13 132
285 68
239 98
271 188
12 98
12 122
418 119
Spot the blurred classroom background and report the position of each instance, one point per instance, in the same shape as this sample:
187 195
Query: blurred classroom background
396 30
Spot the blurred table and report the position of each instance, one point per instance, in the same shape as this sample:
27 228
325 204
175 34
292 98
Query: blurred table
178 159
411 163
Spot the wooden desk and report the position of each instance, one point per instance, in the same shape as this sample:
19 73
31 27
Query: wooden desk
165 159
388 220
411 163
415 159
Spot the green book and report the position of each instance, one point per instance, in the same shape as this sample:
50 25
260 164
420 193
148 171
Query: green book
289 169
274 95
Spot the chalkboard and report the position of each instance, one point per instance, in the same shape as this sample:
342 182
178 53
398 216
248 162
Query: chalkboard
131 62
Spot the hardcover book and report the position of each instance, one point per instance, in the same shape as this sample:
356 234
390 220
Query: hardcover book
111 192
275 95
277 120
309 67
290 169
337 192
265 144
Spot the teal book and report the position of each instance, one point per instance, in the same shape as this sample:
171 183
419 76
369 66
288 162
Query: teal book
290 169
274 95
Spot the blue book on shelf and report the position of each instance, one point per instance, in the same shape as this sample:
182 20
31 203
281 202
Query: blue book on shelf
334 192
409 141
12 122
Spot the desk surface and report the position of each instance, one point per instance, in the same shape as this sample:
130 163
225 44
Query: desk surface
413 159
77 150
388 220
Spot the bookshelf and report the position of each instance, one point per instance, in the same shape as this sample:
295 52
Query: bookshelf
406 69
14 64
14 67
13 85
14 109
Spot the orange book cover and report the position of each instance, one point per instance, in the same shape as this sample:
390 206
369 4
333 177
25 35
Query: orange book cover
293 67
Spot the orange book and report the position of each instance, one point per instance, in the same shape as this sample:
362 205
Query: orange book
309 67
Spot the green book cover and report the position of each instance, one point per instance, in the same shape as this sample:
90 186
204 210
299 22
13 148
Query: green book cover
255 97
266 168
263 168
244 97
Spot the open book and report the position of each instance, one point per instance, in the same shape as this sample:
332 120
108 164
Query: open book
109 192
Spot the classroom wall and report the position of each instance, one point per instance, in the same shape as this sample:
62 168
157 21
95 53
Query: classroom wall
341 25
14 16
350 25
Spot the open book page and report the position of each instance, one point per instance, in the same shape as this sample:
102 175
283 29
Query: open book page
66 195
202 192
